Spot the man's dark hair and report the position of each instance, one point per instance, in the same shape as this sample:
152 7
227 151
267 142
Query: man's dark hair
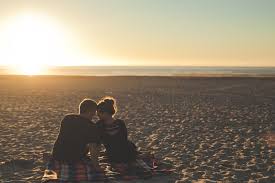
87 105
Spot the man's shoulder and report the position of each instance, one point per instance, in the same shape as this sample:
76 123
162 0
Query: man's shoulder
71 117
74 118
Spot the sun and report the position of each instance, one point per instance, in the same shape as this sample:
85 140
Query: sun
28 69
32 41
31 70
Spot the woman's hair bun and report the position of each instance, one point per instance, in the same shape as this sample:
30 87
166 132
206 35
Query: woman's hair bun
109 101
107 104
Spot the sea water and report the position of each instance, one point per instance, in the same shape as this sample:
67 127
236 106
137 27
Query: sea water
153 71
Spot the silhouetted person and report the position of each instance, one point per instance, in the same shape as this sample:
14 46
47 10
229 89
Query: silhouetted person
114 133
76 132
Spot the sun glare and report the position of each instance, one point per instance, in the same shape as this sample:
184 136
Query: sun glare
31 41
31 70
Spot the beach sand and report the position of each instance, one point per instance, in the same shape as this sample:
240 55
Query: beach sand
211 129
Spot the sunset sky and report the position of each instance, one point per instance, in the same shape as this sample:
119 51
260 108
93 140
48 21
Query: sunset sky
137 32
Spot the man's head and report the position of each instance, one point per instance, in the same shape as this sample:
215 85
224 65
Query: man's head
88 108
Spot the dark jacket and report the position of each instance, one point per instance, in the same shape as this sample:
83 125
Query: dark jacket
118 147
76 132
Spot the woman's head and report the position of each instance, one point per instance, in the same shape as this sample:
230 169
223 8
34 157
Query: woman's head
106 108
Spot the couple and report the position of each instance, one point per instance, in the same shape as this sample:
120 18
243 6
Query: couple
79 135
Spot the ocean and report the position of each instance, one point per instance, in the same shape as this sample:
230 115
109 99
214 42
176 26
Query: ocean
154 71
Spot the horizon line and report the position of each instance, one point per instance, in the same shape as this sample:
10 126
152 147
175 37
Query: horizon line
250 66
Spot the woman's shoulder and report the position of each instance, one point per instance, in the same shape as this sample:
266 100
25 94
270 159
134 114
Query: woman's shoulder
120 122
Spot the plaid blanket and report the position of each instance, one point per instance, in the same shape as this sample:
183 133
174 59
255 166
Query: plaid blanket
145 167
62 172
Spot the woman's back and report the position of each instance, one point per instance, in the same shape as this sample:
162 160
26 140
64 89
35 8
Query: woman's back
115 139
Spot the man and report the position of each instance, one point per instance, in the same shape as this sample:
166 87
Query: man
76 132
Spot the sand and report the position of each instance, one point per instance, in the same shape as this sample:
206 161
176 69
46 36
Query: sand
211 129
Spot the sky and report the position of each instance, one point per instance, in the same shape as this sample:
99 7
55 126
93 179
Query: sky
138 32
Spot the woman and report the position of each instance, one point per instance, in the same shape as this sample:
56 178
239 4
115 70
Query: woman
114 134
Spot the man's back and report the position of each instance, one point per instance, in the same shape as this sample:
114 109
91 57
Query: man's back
74 135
